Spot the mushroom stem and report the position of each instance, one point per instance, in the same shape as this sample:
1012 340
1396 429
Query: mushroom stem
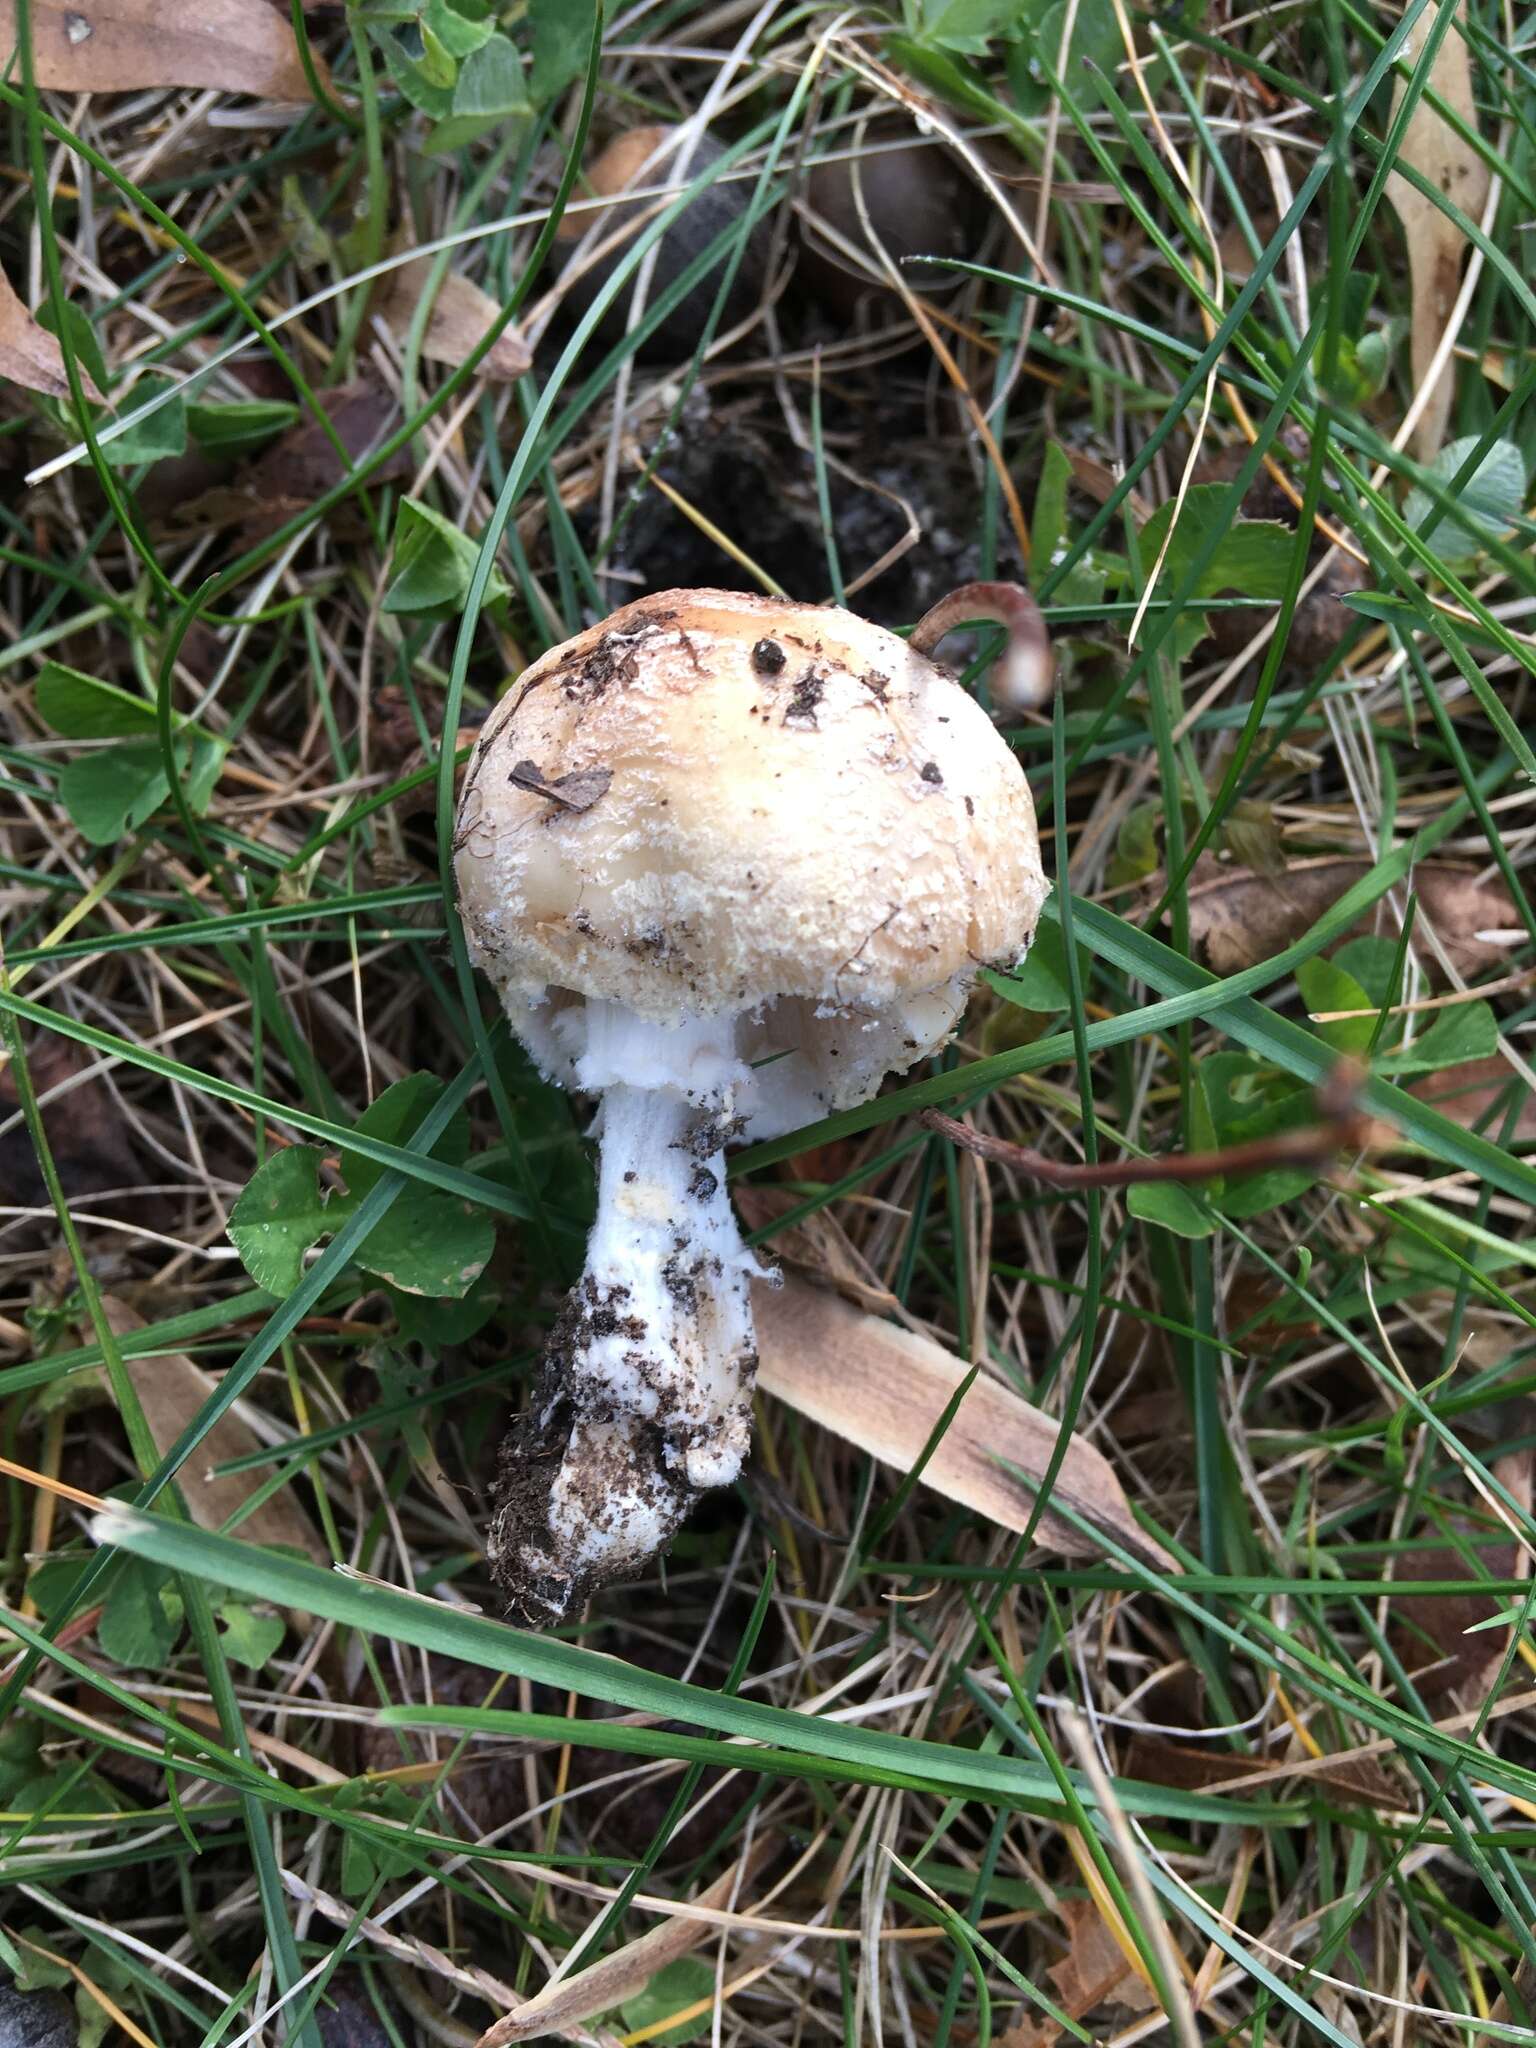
1022 676
644 1399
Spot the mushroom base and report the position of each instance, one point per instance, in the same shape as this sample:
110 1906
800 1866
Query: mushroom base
644 1397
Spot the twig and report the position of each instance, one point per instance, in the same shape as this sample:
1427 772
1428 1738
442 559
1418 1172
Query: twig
1342 1127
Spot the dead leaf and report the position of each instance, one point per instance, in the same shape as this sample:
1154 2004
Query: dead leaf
1235 249
395 744
488 1780
1262 1311
1238 918
817 1246
394 738
1095 1971
1319 625
578 791
1321 619
561 2007
1032 2030
1436 1635
1429 1630
127 45
171 1389
302 465
1153 1760
885 1388
1100 482
461 313
84 1127
29 354
1475 1093
1436 246
1264 498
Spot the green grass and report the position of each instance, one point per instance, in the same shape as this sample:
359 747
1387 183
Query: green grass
243 1790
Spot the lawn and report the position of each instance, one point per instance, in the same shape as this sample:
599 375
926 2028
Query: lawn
1121 1628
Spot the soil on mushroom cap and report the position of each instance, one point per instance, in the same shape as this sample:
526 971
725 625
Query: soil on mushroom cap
612 660
806 694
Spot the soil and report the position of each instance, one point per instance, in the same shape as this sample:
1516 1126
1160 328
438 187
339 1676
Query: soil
744 475
531 1457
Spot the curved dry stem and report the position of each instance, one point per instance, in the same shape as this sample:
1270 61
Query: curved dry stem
1022 676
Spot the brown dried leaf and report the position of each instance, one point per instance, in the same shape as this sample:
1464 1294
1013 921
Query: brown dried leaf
1155 1761
885 1388
817 1245
1432 147
395 745
1238 918
29 354
561 2007
84 1128
578 791
127 45
488 1780
1262 1311
461 313
1030 2031
1095 1970
302 465
1235 249
395 736
1264 498
1471 1094
1422 1624
1429 1630
171 1389
1100 482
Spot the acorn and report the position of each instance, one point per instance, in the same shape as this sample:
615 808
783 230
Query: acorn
645 158
919 203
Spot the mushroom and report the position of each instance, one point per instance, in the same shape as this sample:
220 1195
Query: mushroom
728 861
910 200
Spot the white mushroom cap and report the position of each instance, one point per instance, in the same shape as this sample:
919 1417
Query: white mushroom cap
725 806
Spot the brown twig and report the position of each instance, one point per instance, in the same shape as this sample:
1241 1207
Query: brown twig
1342 1127
1022 676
